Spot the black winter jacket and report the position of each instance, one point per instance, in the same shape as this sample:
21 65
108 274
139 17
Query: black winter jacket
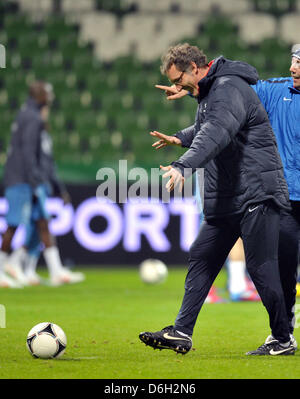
233 140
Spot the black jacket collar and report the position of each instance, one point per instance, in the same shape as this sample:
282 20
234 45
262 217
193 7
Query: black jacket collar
31 103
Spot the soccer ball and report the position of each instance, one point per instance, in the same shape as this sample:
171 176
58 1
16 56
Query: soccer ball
46 341
153 271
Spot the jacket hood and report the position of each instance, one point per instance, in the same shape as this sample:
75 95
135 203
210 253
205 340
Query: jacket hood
224 67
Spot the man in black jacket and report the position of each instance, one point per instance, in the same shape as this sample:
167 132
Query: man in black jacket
243 193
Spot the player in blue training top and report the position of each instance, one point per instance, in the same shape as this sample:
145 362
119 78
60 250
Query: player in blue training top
281 99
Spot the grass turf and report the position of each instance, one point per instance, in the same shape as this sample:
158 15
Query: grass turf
103 316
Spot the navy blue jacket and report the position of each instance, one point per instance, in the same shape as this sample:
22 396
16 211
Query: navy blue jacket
233 140
47 165
29 157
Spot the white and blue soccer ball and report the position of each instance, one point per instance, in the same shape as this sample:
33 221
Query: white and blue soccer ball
153 271
46 341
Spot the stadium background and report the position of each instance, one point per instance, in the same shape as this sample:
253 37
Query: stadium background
103 57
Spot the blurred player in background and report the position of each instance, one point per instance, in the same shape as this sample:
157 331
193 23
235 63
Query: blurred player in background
240 285
244 190
37 232
22 174
29 178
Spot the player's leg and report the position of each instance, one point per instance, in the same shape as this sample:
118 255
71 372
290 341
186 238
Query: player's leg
40 218
240 286
288 253
7 239
14 265
236 271
58 273
260 233
6 280
19 198
207 256
51 253
212 296
33 251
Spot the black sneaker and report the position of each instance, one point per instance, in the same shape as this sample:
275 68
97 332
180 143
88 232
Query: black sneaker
273 348
167 338
292 338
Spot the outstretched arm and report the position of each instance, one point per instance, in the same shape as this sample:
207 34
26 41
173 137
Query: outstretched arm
164 140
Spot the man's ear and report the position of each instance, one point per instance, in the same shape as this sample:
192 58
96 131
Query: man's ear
194 66
193 69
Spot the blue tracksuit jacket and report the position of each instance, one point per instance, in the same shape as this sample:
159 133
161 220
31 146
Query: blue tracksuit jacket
282 103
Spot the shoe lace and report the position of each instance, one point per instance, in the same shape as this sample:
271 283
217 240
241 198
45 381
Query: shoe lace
168 328
275 344
263 347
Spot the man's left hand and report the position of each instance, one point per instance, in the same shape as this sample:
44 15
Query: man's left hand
176 178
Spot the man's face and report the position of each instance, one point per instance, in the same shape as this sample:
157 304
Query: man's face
295 72
186 80
45 95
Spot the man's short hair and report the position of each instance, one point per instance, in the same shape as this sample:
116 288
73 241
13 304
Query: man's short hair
37 88
181 56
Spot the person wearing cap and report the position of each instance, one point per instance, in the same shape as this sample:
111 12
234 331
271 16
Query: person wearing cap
281 99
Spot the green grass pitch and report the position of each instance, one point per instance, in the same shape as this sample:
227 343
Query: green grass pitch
103 316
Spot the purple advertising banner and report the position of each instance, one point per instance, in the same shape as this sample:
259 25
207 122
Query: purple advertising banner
101 232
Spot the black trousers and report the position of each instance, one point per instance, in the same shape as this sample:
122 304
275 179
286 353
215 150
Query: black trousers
288 256
258 227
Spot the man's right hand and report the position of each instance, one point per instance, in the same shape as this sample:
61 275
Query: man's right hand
171 92
164 140
45 113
